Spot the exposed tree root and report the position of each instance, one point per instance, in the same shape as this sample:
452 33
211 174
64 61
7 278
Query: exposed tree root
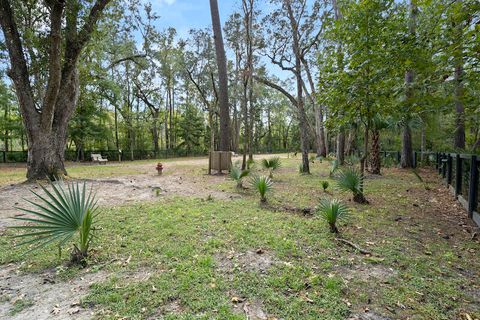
353 245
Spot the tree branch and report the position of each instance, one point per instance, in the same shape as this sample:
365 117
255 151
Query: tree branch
55 62
278 88
18 65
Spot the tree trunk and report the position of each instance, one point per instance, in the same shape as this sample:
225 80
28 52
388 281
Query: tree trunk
375 162
459 142
350 141
302 116
363 160
47 129
341 147
407 150
423 146
222 78
320 132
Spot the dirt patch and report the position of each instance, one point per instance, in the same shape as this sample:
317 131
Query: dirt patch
366 272
253 310
258 261
367 316
121 190
47 296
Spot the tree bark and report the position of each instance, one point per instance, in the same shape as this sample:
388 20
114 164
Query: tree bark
406 160
222 78
407 149
302 116
350 141
46 129
459 140
341 147
375 162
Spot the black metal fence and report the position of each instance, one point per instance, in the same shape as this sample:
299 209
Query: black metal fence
114 155
459 171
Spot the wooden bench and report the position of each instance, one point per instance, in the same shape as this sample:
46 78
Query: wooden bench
97 158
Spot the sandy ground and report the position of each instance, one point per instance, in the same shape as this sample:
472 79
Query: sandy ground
53 299
177 181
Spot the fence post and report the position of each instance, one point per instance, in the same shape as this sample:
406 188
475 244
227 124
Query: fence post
449 168
473 187
458 175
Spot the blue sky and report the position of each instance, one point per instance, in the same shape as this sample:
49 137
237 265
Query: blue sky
184 15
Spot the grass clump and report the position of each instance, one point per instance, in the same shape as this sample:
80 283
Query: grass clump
271 165
352 180
262 184
332 211
237 175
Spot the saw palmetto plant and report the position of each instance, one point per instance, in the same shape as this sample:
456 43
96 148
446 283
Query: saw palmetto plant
351 180
332 211
65 212
262 184
271 165
237 175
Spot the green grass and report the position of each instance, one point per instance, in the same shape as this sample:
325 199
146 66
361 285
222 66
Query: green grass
194 251
19 305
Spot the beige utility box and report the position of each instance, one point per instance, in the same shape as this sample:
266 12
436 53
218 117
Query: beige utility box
220 160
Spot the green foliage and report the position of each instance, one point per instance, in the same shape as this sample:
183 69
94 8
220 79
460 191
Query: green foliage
271 164
64 212
191 128
262 184
351 180
325 185
251 164
237 174
334 165
332 211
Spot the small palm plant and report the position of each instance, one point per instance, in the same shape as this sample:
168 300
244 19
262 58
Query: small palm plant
272 165
237 175
332 211
325 185
352 180
61 214
262 184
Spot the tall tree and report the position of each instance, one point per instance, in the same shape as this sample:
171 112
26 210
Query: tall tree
46 118
222 78
407 149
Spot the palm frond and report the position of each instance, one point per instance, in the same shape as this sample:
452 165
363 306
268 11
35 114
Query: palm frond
332 211
59 215
262 184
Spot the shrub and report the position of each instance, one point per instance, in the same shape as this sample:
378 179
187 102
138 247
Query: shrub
325 185
262 184
300 168
59 216
332 211
352 180
238 174
272 165
250 164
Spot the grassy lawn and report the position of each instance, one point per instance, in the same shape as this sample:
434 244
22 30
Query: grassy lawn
193 258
